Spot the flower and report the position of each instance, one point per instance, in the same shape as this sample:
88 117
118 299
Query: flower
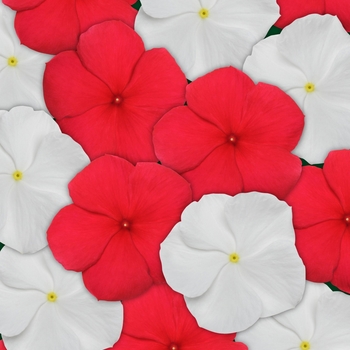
204 35
159 320
21 69
52 26
293 9
121 214
321 216
235 260
43 306
310 61
36 163
2 346
109 94
319 322
232 136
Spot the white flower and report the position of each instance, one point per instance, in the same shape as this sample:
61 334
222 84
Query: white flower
44 307
235 260
203 35
310 60
21 69
36 163
320 322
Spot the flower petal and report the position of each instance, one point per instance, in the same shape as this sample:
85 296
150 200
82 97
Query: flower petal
121 272
20 5
189 270
167 8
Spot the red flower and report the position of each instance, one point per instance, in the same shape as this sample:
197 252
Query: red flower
232 136
292 9
160 320
52 26
109 94
2 345
321 217
112 232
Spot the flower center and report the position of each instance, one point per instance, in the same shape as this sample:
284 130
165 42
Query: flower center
347 219
309 87
234 258
173 346
17 175
51 297
12 61
118 100
125 224
305 345
203 13
232 139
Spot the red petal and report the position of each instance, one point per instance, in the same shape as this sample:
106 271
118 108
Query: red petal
127 343
218 173
319 248
121 273
97 11
271 118
69 89
336 171
341 9
182 139
158 196
2 345
51 27
218 97
102 187
291 10
77 238
20 5
156 86
341 277
110 51
267 169
312 200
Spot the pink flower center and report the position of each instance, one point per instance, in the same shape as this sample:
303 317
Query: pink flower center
118 100
125 224
347 219
232 139
173 346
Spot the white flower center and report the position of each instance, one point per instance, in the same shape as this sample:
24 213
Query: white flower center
12 61
203 13
17 175
51 297
305 345
309 87
234 258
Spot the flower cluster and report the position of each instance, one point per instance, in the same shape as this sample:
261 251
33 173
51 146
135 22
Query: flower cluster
155 185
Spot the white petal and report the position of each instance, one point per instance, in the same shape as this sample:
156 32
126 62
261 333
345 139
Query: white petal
332 322
268 65
27 271
6 187
187 270
277 275
326 128
258 219
157 33
302 319
17 308
8 37
203 225
268 334
21 131
97 324
46 331
167 8
229 305
312 42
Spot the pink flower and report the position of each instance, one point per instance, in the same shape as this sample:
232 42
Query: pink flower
112 232
232 136
109 93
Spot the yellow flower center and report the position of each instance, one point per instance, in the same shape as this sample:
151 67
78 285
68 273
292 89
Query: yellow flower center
12 61
234 257
51 297
203 13
305 345
17 175
309 87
